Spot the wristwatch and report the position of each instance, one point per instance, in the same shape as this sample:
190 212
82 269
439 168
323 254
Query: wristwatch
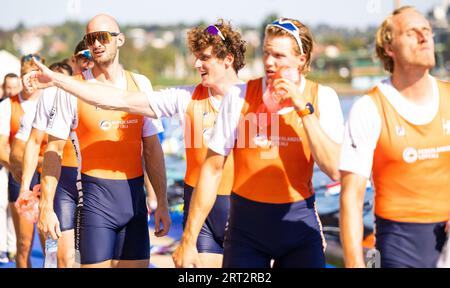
308 110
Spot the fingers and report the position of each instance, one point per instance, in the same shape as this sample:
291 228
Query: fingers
39 64
58 230
166 226
157 224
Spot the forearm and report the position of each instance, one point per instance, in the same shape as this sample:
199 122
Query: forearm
352 229
105 96
50 177
155 168
202 201
351 219
324 150
30 162
16 157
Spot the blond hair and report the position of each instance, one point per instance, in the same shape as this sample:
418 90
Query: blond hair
305 36
384 36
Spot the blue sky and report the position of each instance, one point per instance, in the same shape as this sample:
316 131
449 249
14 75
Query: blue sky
347 13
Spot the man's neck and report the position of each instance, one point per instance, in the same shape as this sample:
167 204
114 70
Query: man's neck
413 84
108 73
221 88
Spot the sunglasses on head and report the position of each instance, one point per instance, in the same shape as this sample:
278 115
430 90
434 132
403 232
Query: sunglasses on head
213 30
84 54
289 27
104 37
29 57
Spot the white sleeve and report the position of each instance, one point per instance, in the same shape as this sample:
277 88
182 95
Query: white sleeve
171 102
151 126
362 131
43 109
5 117
26 123
331 119
225 131
63 116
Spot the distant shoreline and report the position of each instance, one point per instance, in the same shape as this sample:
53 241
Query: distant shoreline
345 90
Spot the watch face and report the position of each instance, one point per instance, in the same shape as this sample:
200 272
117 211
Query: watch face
310 108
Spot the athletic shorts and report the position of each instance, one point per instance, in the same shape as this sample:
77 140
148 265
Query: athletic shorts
14 187
290 234
66 196
412 245
210 239
112 220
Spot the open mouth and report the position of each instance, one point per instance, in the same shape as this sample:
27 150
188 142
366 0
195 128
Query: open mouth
99 52
270 73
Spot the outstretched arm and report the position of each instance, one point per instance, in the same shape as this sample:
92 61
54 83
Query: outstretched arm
97 94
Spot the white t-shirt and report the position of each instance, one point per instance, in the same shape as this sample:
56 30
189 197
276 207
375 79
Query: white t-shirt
65 109
363 127
226 129
29 109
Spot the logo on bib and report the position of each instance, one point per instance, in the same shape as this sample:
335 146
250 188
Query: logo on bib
410 155
105 125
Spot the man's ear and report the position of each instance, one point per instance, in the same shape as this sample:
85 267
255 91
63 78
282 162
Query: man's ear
120 40
229 60
388 50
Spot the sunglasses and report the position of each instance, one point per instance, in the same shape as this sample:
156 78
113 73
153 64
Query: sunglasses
29 57
84 54
213 30
289 27
104 37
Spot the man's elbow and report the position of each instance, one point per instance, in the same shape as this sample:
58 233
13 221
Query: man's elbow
334 174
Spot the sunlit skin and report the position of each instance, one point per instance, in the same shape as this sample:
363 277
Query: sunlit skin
279 52
412 45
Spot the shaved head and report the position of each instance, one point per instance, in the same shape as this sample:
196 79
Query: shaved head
102 22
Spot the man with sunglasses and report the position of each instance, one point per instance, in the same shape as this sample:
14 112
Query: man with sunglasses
220 54
400 133
13 112
112 226
81 59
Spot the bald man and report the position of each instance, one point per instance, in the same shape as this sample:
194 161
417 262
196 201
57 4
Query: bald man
111 222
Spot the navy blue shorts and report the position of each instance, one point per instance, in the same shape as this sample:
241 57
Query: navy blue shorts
112 220
409 245
14 187
290 234
210 239
66 197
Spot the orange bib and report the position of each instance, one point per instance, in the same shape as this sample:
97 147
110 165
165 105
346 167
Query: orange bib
110 141
200 118
273 166
411 164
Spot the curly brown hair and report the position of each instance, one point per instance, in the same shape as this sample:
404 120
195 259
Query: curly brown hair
198 39
305 37
384 36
